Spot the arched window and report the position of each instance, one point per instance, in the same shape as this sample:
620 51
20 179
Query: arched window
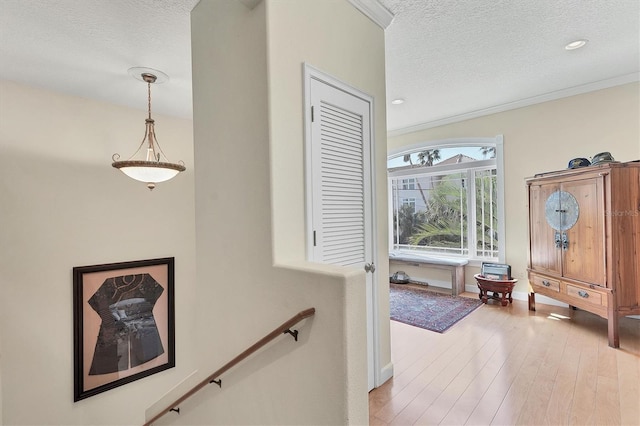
446 198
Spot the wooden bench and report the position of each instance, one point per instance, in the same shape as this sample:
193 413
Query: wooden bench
456 266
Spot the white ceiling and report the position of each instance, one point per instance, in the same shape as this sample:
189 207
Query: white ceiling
448 59
85 47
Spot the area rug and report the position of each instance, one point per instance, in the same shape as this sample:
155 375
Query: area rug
427 309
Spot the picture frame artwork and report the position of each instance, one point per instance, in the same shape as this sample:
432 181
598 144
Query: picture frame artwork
124 323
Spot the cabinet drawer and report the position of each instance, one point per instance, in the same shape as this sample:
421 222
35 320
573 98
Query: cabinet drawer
587 295
545 282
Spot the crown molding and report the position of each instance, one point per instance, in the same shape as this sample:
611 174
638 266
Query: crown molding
375 11
565 93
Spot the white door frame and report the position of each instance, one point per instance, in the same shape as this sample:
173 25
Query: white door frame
310 72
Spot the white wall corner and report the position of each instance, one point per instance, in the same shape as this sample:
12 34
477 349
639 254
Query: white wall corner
374 10
250 3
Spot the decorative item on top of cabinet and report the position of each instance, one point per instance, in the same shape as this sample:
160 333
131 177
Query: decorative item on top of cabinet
584 239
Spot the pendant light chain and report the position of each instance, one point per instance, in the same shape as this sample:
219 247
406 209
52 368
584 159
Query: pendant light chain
152 134
149 98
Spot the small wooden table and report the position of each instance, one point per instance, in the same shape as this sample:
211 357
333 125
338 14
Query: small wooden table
496 286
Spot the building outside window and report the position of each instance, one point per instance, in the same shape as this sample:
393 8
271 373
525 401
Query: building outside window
409 183
445 201
410 203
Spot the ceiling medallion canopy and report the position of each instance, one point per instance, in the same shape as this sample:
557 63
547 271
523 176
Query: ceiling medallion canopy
148 164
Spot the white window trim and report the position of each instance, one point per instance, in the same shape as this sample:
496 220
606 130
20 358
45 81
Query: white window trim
496 141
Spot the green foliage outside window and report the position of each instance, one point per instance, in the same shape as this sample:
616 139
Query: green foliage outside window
442 225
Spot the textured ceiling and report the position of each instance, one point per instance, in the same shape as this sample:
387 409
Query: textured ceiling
446 58
85 47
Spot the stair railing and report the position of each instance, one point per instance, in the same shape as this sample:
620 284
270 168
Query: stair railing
285 328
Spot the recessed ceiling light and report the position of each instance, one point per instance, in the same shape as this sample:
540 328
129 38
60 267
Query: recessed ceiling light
397 101
576 44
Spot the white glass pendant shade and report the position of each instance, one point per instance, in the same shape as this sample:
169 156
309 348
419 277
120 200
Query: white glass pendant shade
153 167
148 171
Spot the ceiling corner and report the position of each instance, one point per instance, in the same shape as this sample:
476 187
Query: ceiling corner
375 11
250 3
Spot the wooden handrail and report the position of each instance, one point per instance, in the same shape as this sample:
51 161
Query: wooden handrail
284 328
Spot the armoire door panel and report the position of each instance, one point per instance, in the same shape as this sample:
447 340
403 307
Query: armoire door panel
545 256
586 237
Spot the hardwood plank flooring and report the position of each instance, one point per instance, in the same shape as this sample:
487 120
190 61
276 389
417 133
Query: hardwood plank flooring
508 365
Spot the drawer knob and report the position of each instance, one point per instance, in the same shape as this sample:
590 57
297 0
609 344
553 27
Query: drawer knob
546 283
583 294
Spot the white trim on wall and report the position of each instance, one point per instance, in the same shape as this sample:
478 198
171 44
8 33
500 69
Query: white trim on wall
572 91
375 11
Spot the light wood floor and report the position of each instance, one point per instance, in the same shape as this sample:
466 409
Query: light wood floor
508 365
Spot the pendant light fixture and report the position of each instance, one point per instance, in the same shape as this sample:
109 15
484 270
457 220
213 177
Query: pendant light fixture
151 166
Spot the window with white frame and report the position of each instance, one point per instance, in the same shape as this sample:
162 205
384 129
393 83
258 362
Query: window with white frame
410 202
409 184
457 193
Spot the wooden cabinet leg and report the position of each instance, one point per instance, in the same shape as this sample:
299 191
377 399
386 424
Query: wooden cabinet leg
532 301
612 323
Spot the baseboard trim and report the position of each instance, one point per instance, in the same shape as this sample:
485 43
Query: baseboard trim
386 373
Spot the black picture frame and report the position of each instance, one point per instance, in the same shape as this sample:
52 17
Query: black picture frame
124 323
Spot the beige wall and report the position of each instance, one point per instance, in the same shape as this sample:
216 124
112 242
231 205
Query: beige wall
252 273
352 52
63 205
545 137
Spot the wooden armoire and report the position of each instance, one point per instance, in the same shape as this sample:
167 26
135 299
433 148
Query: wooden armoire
584 239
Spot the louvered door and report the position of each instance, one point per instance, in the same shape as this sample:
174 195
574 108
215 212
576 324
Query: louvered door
341 187
341 177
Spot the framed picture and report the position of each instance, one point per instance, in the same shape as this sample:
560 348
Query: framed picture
123 320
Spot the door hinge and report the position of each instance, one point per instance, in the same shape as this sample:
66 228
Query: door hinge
312 117
314 238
